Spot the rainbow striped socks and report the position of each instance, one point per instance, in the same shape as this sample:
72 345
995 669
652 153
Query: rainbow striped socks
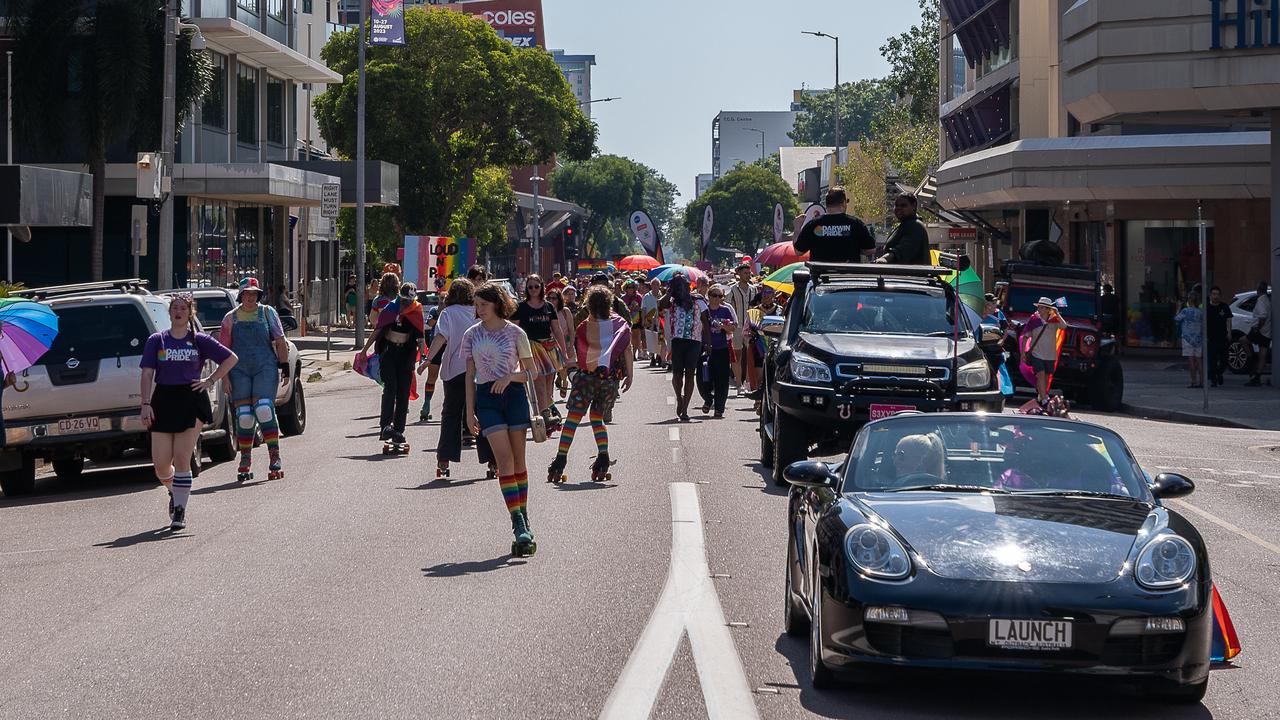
511 490
567 431
600 431
266 414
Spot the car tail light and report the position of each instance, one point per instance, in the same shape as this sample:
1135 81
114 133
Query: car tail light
1088 344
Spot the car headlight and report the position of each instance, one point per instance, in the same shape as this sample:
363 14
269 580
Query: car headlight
976 374
1167 561
807 369
876 552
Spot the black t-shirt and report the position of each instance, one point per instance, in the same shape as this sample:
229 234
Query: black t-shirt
835 238
909 243
1219 323
536 323
401 326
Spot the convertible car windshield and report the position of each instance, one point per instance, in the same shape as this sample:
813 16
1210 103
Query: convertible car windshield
997 453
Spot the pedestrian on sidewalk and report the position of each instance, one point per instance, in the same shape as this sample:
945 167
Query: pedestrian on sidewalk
1219 317
500 366
1260 333
253 331
175 398
605 363
398 340
1191 320
684 320
723 323
541 323
351 297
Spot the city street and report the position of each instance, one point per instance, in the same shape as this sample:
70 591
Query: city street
358 586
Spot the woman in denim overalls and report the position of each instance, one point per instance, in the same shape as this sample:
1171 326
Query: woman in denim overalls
254 333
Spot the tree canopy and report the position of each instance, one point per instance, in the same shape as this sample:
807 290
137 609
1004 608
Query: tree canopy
456 107
611 187
743 202
913 64
860 103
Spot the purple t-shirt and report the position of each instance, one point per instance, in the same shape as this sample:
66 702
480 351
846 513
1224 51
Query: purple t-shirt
178 361
720 338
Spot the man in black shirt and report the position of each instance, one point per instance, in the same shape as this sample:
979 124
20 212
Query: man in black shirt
835 237
1219 321
909 243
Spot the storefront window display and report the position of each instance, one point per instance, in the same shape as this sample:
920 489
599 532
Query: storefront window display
1162 263
207 264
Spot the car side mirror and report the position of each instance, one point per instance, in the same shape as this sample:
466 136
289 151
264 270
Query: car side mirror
810 474
1172 485
771 326
990 335
289 323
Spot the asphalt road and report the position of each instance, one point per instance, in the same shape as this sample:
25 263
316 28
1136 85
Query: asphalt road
358 586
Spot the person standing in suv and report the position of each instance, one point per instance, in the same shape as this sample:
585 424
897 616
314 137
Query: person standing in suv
175 404
909 243
836 236
252 330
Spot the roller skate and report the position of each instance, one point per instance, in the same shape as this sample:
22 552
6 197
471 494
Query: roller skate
553 420
555 473
442 472
600 469
523 544
244 473
395 444
275 470
491 472
424 416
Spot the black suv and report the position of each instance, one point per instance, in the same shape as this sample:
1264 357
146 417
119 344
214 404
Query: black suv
860 342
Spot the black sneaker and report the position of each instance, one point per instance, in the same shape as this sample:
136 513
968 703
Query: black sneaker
179 520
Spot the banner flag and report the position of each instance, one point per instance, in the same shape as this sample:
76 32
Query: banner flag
646 233
778 226
386 22
708 220
431 261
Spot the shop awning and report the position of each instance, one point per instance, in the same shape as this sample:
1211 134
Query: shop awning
251 183
381 179
43 197
1188 166
232 36
981 26
525 202
983 121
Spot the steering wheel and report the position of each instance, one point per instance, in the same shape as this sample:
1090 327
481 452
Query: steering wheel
918 478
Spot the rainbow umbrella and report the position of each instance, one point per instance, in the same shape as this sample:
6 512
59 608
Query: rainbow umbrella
693 273
780 279
661 269
27 332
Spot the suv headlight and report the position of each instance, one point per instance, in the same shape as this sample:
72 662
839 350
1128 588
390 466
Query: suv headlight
976 374
808 369
1166 562
876 552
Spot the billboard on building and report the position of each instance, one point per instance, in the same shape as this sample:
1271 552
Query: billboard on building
519 21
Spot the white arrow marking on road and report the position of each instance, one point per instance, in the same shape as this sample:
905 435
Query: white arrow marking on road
688 604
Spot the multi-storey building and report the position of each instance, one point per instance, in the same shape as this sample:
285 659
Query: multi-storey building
577 70
1111 128
748 136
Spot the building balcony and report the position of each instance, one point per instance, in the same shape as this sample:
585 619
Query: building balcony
231 36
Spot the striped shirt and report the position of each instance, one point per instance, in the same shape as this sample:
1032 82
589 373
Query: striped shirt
602 343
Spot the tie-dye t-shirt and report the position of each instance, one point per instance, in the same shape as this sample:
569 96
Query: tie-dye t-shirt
178 361
496 353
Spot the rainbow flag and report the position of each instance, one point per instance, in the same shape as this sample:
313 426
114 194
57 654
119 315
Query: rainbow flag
431 261
592 265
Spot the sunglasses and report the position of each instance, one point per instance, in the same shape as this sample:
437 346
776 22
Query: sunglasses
716 295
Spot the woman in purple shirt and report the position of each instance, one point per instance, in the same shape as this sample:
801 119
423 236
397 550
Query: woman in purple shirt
720 324
175 402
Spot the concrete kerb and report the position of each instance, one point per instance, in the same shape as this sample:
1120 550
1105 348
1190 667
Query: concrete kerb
1178 416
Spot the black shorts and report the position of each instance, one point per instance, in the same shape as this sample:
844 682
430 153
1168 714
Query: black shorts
685 355
178 408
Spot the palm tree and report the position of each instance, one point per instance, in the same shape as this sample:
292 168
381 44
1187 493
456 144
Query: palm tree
87 79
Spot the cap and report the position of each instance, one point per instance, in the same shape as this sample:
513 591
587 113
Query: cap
248 284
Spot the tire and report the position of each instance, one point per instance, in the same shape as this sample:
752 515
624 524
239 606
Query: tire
293 416
1165 691
790 444
224 450
21 481
1106 390
68 468
766 445
794 622
1239 355
820 676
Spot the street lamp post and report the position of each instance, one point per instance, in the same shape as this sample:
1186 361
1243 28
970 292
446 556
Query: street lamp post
837 88
364 14
761 141
168 119
535 263
600 100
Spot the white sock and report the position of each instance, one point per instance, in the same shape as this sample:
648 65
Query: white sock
181 488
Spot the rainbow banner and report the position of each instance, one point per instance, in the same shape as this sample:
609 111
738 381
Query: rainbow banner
592 265
431 261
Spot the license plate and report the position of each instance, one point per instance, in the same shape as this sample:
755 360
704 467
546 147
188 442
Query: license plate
76 426
1029 634
884 411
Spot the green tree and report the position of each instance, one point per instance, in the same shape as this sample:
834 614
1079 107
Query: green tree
454 100
484 212
860 103
913 63
773 163
87 78
610 187
743 203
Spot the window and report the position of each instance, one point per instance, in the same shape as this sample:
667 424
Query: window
847 310
214 113
247 105
250 5
275 111
276 9
96 332
306 6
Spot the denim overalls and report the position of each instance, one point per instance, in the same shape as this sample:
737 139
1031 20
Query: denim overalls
256 375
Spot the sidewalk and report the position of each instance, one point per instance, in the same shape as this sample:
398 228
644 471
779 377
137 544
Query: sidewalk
311 349
1157 388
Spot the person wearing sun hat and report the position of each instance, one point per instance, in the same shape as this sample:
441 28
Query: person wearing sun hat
1042 348
253 331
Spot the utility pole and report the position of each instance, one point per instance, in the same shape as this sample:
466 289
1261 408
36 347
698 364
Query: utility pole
8 116
360 316
536 262
837 87
168 131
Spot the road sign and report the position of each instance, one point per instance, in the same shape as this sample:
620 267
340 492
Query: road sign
330 199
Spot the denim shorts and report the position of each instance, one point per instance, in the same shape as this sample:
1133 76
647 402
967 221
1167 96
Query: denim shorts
505 412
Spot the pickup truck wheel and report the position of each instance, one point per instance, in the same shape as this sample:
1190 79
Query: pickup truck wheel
21 481
766 445
224 449
293 416
1239 354
197 457
1106 390
790 444
68 467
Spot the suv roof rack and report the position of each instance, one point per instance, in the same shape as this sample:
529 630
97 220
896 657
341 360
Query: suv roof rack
829 269
127 286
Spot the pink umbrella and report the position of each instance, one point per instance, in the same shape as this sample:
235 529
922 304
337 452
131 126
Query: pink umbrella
780 255
631 263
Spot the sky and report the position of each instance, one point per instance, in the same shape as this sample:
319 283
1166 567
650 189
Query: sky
676 63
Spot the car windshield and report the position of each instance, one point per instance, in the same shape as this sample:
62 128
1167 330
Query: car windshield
94 332
996 453
211 309
898 312
1071 303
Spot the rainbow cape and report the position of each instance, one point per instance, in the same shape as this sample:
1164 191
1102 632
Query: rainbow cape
411 310
1024 351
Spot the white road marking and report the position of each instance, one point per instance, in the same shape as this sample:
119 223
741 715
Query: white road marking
28 552
688 604
675 456
673 434
671 399
1183 505
1239 485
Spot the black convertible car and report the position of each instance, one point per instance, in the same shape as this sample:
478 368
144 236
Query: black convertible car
996 542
